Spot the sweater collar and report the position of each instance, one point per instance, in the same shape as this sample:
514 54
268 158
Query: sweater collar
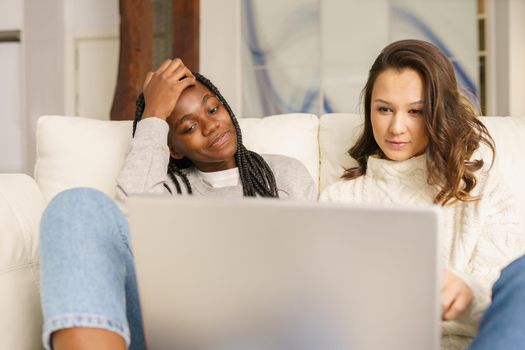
385 169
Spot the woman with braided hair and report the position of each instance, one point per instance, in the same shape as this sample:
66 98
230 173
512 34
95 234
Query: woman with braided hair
186 141
204 154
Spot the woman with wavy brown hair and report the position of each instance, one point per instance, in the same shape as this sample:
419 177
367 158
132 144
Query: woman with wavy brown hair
422 143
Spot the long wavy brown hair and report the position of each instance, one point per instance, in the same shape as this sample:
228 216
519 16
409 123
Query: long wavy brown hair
454 130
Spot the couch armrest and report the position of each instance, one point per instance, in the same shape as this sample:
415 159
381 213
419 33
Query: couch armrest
21 206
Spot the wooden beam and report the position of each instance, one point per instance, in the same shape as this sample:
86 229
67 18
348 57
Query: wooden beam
186 18
136 37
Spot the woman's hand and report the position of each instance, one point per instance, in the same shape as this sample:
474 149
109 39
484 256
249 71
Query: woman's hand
163 88
456 296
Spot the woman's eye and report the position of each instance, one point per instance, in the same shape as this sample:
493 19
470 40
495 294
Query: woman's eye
189 129
383 109
213 110
416 111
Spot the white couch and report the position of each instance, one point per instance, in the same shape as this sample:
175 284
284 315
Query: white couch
73 151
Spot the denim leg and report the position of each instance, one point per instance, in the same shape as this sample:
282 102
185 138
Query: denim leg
87 270
503 325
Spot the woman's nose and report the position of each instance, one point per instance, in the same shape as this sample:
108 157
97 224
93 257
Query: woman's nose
209 125
397 124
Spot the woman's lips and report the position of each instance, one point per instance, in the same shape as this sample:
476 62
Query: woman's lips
397 144
220 140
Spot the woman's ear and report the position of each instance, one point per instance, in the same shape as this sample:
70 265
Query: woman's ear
175 154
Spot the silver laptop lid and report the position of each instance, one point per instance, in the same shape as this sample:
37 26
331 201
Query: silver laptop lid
267 274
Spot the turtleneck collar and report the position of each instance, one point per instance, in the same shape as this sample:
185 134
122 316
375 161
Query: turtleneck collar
385 169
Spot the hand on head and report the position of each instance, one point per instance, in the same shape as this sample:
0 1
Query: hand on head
163 87
456 296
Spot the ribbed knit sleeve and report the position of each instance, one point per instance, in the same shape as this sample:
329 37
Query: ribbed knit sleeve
501 240
146 165
292 178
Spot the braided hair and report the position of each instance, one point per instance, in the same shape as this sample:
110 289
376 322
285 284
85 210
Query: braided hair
256 175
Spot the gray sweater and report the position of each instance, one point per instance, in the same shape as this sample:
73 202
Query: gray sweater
145 170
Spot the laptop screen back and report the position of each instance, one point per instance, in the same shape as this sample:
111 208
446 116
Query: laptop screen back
267 274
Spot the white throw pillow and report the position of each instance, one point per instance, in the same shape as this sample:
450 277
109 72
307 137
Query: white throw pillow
294 135
79 152
337 133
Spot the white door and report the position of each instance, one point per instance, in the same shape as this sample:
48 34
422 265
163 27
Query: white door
96 76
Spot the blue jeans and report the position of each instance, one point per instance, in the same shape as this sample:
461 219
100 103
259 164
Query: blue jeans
88 276
87 271
503 325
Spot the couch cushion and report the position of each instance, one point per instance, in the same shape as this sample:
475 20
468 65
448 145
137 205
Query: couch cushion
294 135
21 205
337 133
75 151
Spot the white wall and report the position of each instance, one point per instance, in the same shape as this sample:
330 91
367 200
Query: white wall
44 64
12 19
12 130
517 58
94 77
57 32
506 54
91 56
13 127
220 48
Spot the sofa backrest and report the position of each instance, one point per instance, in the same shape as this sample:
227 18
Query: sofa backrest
339 131
75 151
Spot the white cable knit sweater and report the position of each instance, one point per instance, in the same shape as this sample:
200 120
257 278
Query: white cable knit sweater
478 238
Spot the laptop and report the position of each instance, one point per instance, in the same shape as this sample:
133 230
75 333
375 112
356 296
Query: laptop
259 274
